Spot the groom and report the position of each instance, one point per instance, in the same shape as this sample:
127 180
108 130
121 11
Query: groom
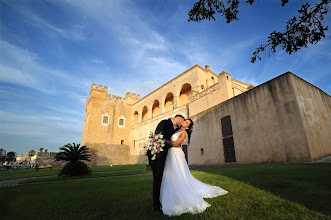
167 129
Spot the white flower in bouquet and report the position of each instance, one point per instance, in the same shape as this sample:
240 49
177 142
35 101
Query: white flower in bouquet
155 144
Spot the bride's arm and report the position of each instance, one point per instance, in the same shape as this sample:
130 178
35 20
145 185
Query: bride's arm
179 140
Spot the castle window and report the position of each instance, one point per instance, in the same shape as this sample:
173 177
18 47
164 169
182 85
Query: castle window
135 117
202 87
144 114
122 142
121 122
183 95
155 108
169 102
105 119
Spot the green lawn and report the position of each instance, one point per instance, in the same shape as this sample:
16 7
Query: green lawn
25 173
93 175
118 167
292 191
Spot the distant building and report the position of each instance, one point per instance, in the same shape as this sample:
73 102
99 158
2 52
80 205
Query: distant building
46 158
2 152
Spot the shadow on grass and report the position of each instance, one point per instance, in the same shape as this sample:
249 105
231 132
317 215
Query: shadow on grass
306 184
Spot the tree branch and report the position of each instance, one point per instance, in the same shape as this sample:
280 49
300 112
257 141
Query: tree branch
308 28
205 9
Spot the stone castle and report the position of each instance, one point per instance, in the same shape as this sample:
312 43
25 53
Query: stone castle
283 120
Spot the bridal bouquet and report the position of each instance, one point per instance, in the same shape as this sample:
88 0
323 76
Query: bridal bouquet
155 144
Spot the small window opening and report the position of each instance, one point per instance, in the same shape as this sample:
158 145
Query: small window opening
105 119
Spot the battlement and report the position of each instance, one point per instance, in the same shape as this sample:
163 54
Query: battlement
132 95
101 92
99 88
115 98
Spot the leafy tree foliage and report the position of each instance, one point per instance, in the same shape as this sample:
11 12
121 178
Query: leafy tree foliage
307 28
11 156
74 155
41 149
31 153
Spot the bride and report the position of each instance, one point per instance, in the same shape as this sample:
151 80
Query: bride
180 191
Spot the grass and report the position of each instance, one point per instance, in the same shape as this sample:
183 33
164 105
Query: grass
26 173
93 175
293 191
307 184
118 167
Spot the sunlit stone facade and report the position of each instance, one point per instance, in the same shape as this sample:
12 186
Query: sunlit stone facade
234 122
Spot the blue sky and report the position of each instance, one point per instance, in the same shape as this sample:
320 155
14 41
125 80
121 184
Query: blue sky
52 51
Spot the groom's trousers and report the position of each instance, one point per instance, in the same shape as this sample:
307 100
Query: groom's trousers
157 168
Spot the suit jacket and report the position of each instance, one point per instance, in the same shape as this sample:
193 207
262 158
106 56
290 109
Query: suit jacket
166 128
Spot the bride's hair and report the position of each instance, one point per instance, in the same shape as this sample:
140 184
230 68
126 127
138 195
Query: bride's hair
189 131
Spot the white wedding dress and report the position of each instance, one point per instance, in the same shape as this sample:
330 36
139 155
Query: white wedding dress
180 191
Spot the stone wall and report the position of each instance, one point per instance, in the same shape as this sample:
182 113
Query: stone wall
266 124
48 158
315 111
110 154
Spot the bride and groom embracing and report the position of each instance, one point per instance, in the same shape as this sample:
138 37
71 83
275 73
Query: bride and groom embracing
175 190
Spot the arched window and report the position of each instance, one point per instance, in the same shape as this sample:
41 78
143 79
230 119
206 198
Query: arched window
183 95
135 117
144 114
155 108
169 102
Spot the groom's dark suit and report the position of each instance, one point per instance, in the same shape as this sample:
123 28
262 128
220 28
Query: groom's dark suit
166 127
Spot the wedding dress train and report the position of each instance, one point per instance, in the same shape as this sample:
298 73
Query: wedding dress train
180 191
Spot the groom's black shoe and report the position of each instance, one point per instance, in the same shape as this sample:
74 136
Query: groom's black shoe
157 209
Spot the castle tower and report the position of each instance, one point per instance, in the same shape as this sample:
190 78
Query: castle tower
107 118
224 79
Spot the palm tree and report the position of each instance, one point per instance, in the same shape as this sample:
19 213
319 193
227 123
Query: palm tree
11 156
32 153
74 154
41 149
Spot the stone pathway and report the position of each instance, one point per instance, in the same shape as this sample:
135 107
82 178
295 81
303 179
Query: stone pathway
15 182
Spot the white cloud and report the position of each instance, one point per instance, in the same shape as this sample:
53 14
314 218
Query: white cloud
76 32
39 125
97 61
22 67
